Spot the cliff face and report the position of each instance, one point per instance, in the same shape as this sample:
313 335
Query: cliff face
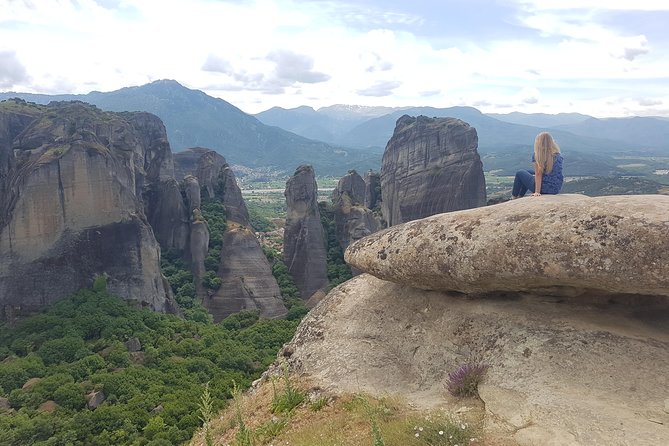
304 239
353 220
72 206
430 166
246 275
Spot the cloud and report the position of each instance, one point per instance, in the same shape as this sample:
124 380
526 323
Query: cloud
217 64
428 93
529 95
12 71
292 67
649 102
376 63
631 53
383 88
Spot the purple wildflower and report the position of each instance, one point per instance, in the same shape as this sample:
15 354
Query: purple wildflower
465 379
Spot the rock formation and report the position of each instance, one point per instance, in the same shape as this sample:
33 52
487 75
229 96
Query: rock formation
205 164
372 190
246 275
562 244
353 220
304 240
167 214
430 166
561 371
72 179
578 369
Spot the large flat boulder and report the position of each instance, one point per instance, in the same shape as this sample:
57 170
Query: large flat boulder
559 245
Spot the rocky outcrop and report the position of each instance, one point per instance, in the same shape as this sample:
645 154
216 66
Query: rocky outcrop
246 275
564 298
205 164
560 244
248 283
167 214
191 188
353 220
304 240
372 190
561 371
430 166
72 204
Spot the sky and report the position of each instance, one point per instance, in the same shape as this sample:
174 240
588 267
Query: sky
597 57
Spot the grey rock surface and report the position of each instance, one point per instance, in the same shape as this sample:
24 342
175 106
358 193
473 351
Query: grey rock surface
353 220
248 283
191 187
304 239
246 275
372 189
72 204
559 245
167 213
594 368
430 166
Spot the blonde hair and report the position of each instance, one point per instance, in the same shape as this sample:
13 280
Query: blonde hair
544 150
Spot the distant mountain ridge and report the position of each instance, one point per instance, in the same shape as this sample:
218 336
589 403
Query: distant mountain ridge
505 140
341 137
192 118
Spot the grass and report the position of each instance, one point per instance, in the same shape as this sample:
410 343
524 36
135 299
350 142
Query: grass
343 420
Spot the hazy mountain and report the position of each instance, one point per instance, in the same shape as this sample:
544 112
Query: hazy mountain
643 133
353 112
494 135
192 118
328 124
542 120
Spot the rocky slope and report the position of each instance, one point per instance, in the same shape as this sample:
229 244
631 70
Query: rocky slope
430 166
304 240
72 180
565 369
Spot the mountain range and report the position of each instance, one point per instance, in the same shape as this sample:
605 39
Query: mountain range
192 119
338 138
593 146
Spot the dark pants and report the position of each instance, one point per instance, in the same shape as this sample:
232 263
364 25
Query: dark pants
523 182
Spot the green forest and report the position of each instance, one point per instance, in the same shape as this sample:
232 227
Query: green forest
151 368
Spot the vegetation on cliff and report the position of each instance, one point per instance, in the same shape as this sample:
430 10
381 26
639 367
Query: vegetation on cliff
151 368
338 270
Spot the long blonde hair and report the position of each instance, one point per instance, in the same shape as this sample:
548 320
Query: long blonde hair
544 150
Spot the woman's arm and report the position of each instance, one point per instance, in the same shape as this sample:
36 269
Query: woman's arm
538 175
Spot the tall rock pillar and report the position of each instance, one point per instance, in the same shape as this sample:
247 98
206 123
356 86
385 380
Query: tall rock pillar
430 166
304 240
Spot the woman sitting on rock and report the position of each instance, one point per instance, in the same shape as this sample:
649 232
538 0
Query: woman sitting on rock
547 174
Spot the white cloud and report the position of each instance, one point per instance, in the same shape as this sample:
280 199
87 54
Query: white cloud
12 71
260 53
379 89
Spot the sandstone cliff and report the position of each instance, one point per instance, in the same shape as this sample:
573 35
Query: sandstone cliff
304 241
246 275
544 298
430 166
72 179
